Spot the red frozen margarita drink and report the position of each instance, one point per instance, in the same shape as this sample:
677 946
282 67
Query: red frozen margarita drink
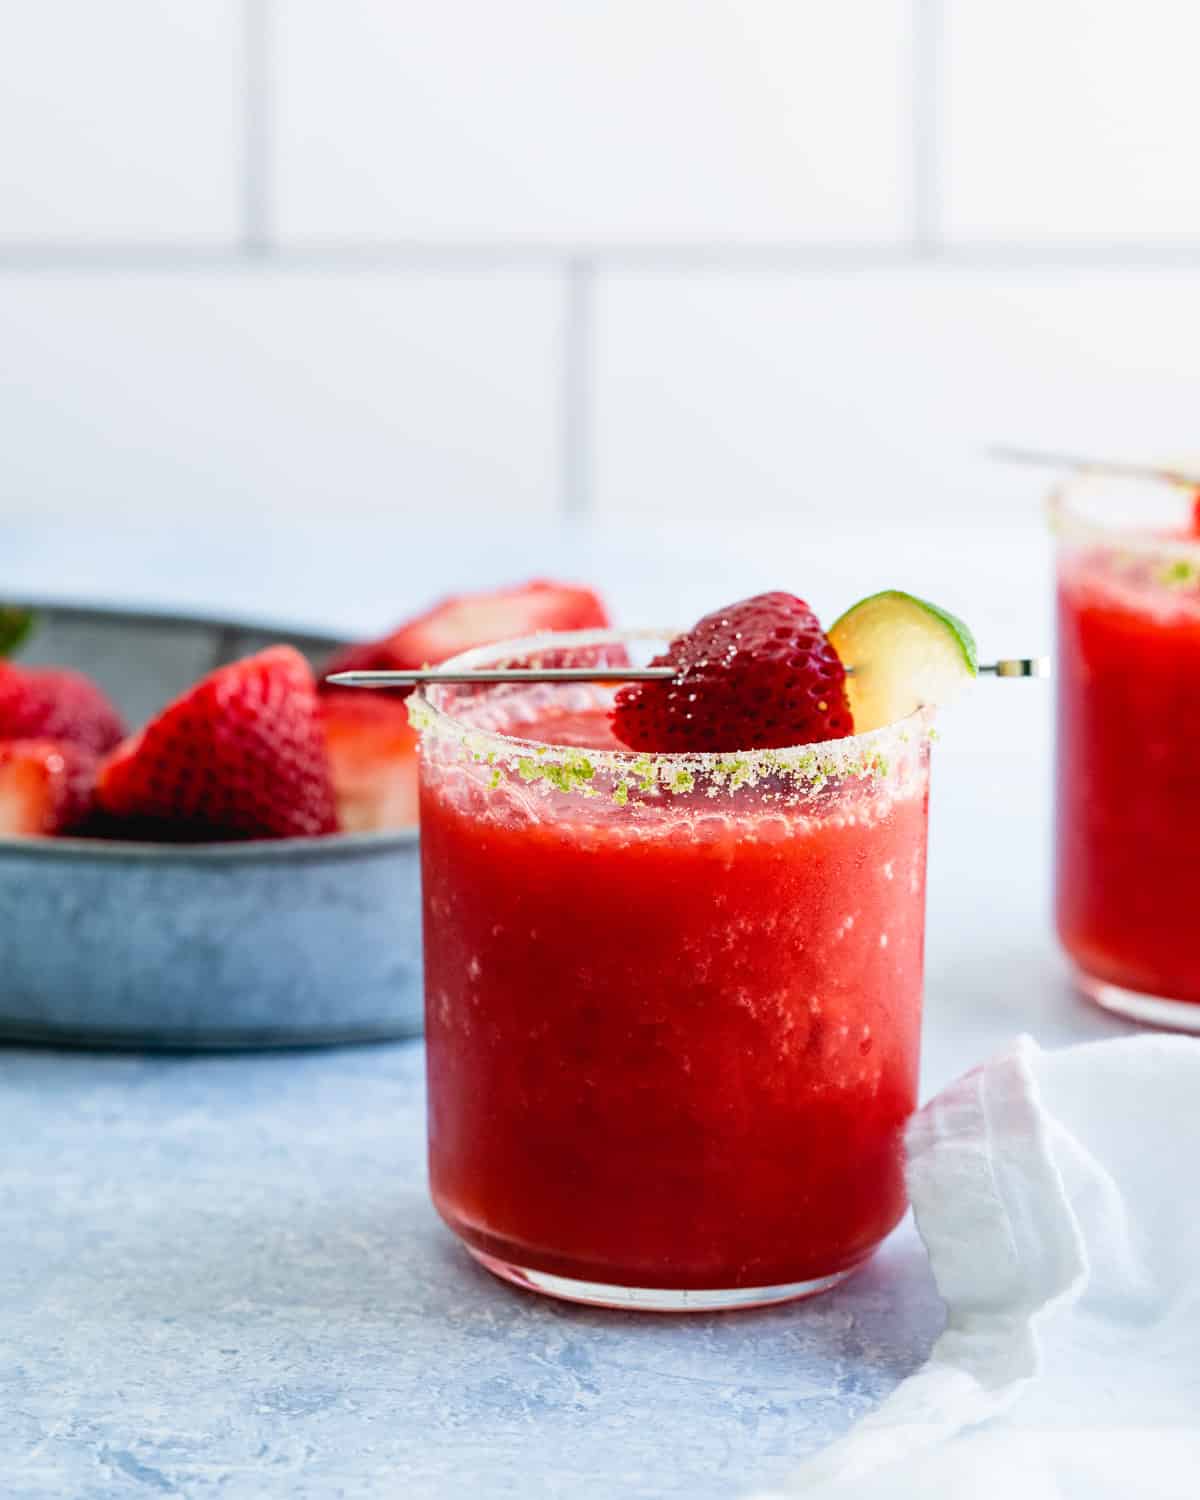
673 996
1128 751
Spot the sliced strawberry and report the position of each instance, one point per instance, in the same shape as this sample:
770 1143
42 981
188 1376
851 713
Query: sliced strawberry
46 786
756 674
373 759
241 755
1196 514
55 703
467 620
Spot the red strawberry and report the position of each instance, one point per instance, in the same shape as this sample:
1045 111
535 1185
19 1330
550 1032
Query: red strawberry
757 674
1196 514
45 786
54 703
240 755
467 620
373 759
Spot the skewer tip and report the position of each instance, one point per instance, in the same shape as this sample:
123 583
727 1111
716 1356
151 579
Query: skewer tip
1018 666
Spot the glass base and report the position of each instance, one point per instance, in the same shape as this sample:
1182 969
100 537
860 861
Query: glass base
652 1298
1150 1010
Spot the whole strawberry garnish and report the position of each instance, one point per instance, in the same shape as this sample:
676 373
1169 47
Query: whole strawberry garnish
756 674
241 755
54 703
467 620
46 786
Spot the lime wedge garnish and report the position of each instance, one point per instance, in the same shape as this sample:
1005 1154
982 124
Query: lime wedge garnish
905 653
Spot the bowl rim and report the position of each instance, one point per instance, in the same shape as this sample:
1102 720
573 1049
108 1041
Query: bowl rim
94 607
309 849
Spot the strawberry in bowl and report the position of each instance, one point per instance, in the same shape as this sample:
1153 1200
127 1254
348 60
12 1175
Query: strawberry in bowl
372 746
242 868
372 750
240 755
56 703
464 621
46 786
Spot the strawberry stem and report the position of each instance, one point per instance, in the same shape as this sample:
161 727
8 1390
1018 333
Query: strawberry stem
16 623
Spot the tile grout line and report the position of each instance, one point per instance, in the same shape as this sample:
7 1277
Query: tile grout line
255 236
576 386
928 20
731 257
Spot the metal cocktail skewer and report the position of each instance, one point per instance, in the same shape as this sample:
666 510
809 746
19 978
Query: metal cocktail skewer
1095 465
1019 666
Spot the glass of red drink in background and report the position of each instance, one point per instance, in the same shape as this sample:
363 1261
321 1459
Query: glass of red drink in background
673 1001
1128 745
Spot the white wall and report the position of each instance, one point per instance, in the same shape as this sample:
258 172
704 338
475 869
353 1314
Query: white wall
381 259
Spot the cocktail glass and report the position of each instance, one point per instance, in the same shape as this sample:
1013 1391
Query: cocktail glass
1128 746
673 1001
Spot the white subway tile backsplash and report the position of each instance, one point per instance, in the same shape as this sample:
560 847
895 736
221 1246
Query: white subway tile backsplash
388 384
1069 119
600 120
867 399
119 122
350 399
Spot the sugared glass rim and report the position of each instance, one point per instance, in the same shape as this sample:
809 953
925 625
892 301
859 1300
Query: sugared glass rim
1069 521
810 765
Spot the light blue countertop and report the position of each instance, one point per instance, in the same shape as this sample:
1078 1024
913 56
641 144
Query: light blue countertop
221 1276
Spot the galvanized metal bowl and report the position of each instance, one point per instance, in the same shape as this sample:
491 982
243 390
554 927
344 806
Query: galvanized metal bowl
284 942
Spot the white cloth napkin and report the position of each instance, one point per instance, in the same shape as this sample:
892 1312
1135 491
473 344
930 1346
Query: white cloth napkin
1058 1195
